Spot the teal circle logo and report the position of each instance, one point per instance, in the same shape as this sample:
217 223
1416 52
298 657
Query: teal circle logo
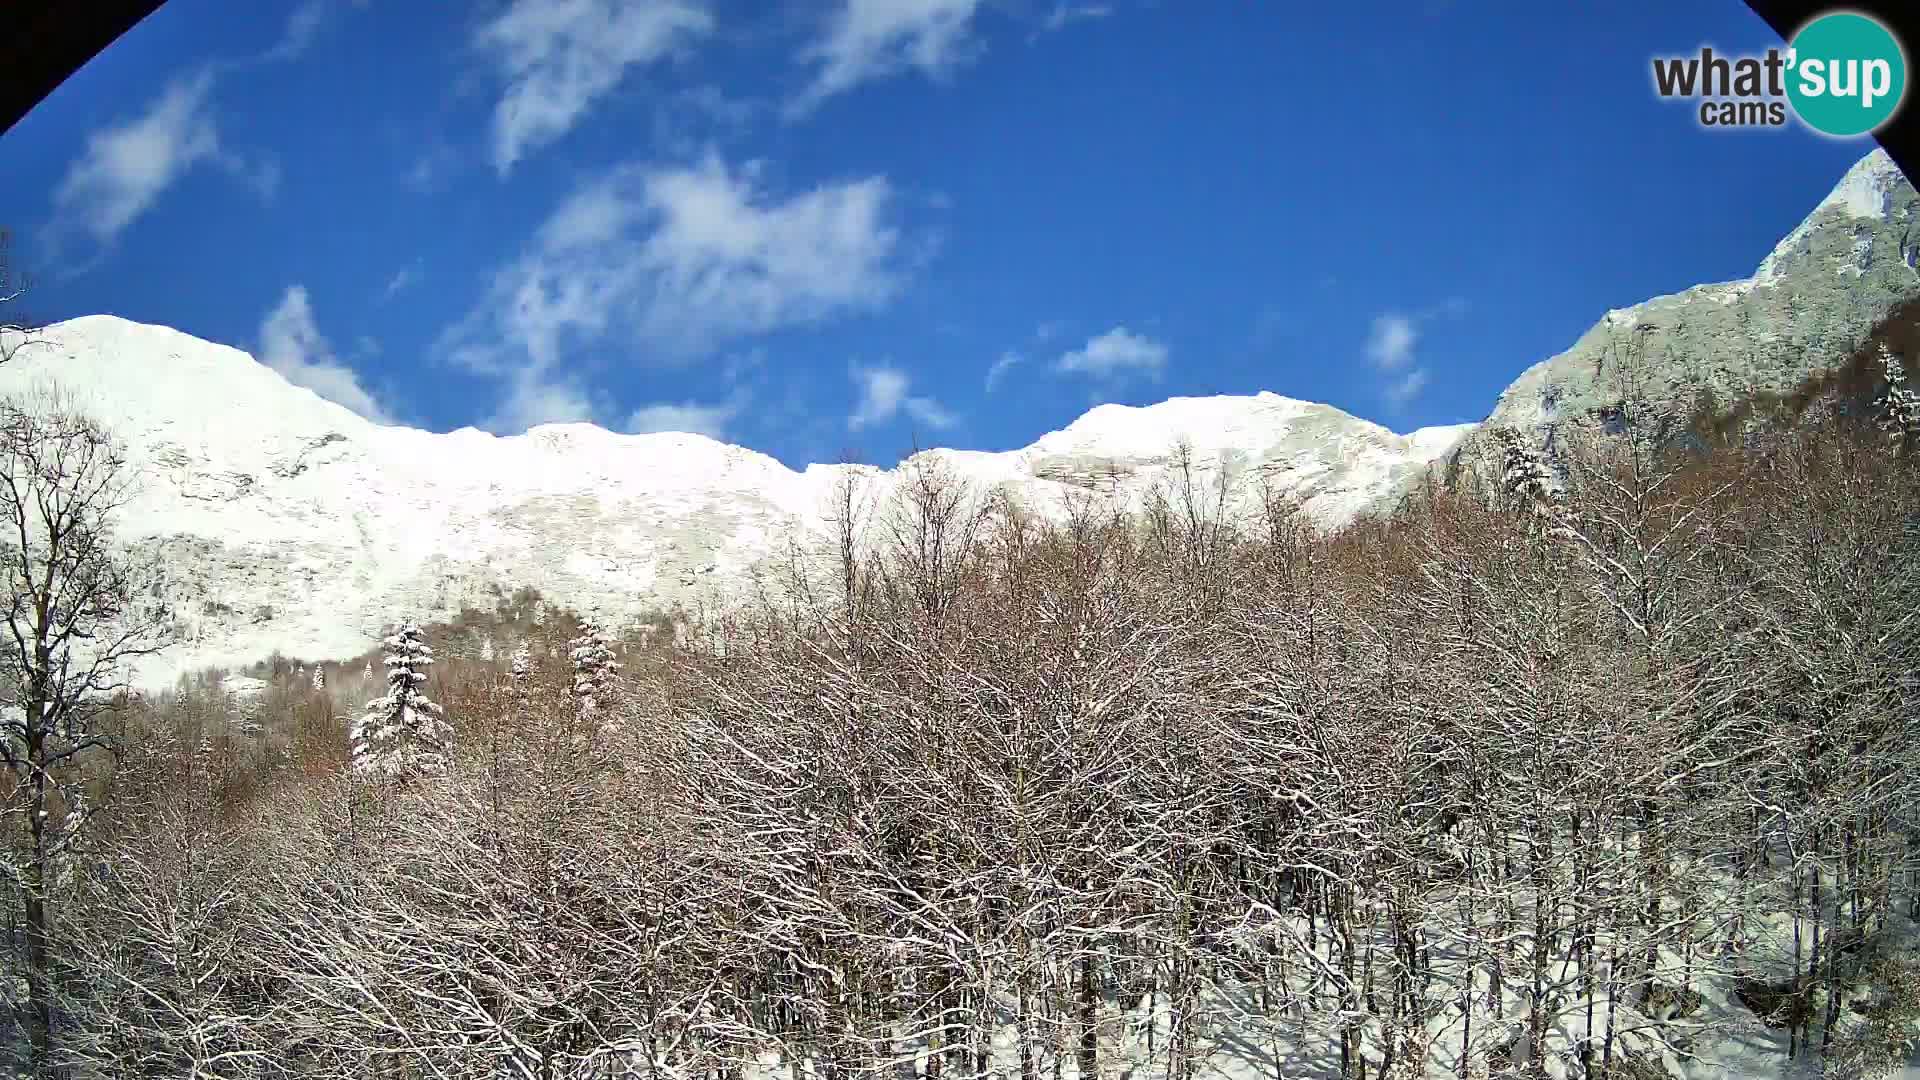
1847 74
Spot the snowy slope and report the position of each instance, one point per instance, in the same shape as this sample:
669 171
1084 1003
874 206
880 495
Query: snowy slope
291 523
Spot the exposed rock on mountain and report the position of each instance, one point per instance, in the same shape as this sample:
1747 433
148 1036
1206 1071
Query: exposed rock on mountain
1808 305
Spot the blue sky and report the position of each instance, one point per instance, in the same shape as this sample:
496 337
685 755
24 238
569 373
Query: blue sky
824 227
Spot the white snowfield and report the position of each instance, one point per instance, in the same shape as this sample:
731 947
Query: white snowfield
290 523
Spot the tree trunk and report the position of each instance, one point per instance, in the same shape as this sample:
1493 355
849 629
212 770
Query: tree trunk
1089 1019
38 924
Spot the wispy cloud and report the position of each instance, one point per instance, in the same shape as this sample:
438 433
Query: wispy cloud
885 392
678 261
1390 343
303 25
404 278
541 396
1391 347
1399 390
864 40
291 344
1007 362
1065 14
1116 354
431 168
558 58
710 419
125 168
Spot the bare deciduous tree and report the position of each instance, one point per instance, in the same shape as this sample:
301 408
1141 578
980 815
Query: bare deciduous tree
78 612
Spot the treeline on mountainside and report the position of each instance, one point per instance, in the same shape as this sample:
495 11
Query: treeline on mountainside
1601 771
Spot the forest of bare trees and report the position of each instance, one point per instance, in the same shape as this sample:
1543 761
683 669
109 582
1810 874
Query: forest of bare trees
1599 772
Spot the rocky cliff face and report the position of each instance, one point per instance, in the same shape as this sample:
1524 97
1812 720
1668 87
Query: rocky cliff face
1809 304
289 523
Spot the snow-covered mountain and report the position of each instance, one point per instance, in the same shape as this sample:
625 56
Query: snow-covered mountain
291 523
1807 306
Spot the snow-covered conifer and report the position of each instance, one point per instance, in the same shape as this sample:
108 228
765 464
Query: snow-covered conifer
1900 405
1522 473
402 733
594 669
319 678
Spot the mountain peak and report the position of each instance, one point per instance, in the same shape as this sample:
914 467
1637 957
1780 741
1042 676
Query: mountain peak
1814 298
1867 190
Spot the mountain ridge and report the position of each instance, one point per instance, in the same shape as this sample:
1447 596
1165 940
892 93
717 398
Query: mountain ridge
1809 303
289 523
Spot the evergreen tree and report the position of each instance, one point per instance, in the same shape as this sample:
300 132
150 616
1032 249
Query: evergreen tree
522 664
402 733
1522 473
594 669
1899 406
520 679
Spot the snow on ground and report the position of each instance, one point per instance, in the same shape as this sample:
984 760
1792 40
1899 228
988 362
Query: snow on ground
1248 1034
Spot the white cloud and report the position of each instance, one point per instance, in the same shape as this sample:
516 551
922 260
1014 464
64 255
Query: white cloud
671 263
291 344
689 416
1391 347
1390 343
1000 367
1116 353
559 57
125 169
302 26
871 39
885 393
540 397
1403 389
683 259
